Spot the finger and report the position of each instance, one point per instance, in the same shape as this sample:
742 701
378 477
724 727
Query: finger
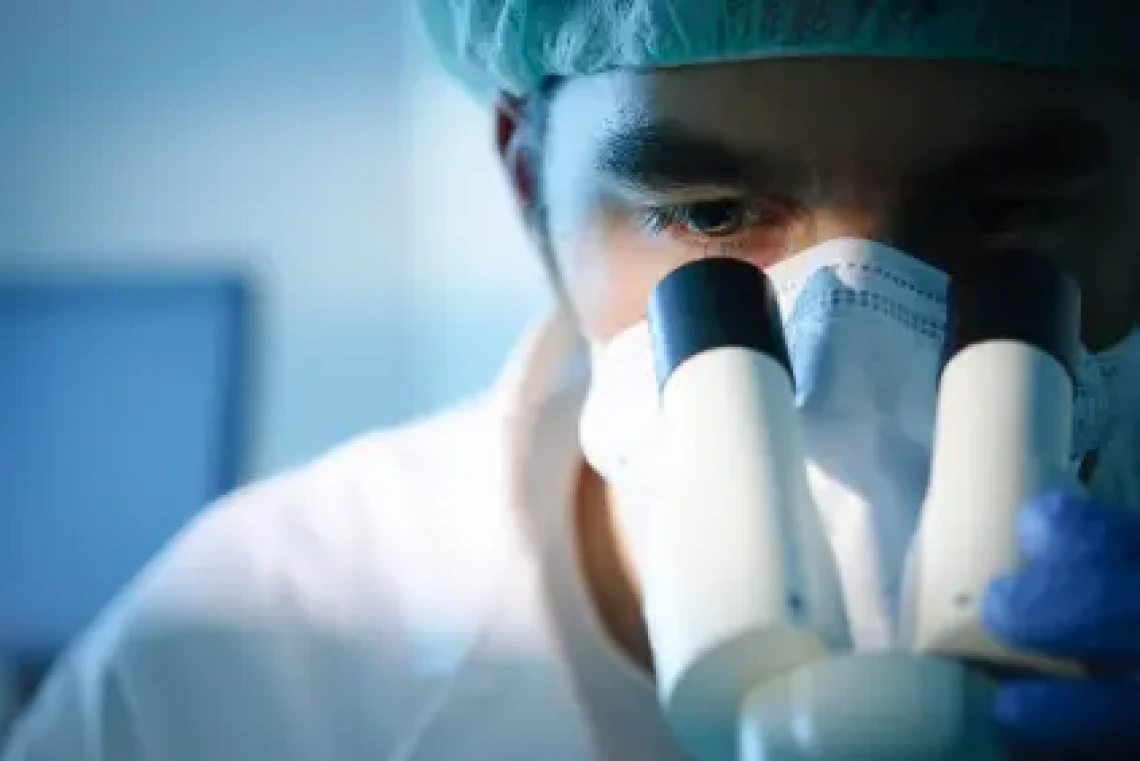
1071 715
1064 525
1087 610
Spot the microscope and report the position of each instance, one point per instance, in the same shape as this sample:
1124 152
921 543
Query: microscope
740 590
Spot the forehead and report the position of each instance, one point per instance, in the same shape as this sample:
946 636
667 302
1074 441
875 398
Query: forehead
873 115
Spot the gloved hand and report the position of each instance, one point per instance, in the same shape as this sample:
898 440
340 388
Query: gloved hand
1078 596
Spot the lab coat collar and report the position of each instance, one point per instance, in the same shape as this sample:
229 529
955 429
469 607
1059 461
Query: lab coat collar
550 357
532 468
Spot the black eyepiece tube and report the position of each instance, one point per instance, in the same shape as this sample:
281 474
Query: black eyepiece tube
1014 296
710 304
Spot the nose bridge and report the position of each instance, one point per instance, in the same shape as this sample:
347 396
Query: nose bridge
928 225
867 214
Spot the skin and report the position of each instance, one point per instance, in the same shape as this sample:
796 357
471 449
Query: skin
642 171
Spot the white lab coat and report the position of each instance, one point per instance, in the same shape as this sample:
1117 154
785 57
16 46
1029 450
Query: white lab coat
412 596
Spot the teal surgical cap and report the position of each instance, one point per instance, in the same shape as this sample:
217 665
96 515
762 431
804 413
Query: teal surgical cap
513 45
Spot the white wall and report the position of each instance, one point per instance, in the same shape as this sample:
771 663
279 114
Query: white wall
305 142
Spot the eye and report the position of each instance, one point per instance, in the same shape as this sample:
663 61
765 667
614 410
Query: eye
1003 216
715 218
716 221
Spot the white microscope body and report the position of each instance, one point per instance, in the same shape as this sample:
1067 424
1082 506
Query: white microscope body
740 590
741 585
1003 434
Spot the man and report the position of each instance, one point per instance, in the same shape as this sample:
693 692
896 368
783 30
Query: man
466 587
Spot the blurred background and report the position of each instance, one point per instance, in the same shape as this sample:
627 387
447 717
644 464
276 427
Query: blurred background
232 235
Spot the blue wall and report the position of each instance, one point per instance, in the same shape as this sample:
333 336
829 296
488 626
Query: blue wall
310 144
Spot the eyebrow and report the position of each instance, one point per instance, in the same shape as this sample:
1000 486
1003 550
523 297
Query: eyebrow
1057 153
659 158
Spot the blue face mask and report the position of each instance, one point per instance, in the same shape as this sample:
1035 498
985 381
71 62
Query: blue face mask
864 326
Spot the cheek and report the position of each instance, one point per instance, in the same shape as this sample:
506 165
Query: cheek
609 268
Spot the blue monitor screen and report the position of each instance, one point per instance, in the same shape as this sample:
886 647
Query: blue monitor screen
120 417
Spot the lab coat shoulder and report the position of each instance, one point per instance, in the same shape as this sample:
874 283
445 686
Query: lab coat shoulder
322 607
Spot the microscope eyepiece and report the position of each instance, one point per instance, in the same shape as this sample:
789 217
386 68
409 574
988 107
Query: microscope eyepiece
712 304
739 583
1014 296
1003 434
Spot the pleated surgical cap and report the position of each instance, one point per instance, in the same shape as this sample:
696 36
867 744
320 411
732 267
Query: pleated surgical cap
512 45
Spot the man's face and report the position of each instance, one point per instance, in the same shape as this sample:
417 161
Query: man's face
644 171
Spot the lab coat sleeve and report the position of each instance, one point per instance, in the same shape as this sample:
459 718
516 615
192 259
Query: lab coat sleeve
194 660
298 619
111 693
80 715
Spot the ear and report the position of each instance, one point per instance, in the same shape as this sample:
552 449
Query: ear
509 144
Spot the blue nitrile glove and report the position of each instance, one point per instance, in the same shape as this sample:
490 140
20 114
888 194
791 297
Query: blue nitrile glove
1078 596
